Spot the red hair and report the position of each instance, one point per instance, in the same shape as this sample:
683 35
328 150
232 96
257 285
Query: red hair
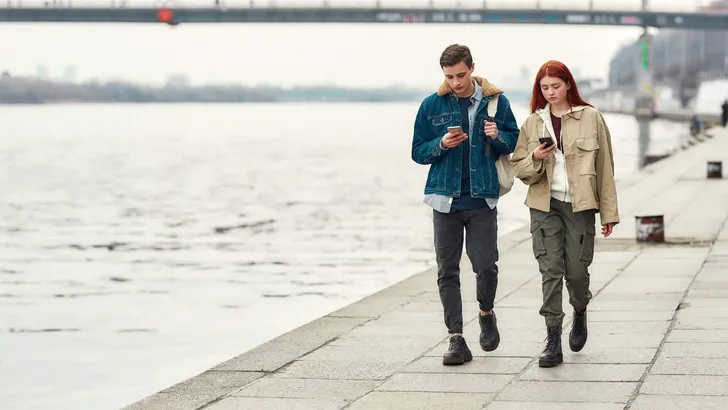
553 68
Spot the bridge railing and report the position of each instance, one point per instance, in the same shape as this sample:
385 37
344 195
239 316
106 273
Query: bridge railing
605 5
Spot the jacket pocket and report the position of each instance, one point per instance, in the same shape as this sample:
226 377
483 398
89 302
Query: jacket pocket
537 236
587 155
440 124
587 244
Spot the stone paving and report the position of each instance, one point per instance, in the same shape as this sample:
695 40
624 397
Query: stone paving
658 326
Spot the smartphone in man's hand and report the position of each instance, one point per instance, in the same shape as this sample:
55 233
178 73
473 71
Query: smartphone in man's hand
455 130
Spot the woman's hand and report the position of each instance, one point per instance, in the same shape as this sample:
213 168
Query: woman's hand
607 229
541 152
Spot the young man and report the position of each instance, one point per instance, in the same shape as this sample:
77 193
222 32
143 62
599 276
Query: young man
462 188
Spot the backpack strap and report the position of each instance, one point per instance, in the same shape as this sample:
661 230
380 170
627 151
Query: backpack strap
493 106
492 110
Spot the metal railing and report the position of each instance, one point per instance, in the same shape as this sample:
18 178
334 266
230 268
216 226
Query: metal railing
597 5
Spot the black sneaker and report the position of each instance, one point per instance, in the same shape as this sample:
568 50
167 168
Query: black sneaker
489 336
457 353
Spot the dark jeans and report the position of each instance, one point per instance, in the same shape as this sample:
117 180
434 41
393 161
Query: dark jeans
481 244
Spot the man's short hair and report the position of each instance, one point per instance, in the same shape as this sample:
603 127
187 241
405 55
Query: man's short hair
454 54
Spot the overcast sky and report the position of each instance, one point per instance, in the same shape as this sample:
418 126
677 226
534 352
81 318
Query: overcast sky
287 54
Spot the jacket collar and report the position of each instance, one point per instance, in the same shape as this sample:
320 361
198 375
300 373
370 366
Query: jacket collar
545 114
546 111
489 89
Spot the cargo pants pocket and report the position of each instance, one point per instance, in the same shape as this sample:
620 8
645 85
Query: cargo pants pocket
587 244
537 236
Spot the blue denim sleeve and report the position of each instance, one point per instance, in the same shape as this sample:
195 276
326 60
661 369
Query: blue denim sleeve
426 148
505 142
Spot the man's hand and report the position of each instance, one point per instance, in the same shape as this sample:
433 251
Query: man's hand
541 152
607 229
450 140
491 129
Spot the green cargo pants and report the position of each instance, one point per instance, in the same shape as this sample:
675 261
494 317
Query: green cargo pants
563 244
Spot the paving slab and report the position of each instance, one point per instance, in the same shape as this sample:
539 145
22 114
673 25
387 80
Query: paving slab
582 372
691 366
674 402
690 311
347 390
486 365
568 391
686 385
697 336
604 328
612 355
706 350
525 405
339 370
702 323
446 382
378 400
257 403
631 316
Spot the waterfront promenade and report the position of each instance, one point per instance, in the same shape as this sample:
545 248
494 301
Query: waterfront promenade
658 326
677 115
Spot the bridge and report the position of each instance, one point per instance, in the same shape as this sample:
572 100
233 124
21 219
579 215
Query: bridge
373 13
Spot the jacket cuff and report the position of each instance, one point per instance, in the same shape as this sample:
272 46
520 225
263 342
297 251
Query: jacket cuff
606 218
538 166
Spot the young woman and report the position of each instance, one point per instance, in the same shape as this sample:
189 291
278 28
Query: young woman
564 155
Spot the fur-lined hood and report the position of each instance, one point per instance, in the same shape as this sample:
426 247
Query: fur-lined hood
489 89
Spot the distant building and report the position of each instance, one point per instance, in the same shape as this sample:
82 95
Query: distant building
69 74
178 81
677 58
42 72
526 79
517 81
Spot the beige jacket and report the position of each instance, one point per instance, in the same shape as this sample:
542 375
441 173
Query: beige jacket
587 160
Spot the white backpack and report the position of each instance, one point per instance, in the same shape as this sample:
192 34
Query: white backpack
504 167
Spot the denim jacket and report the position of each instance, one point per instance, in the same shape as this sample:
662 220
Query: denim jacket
441 110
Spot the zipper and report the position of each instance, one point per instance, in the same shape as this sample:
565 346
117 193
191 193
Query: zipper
563 152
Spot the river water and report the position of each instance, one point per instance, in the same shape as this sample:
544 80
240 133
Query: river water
143 244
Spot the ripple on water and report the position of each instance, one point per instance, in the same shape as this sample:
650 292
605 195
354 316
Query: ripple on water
85 294
254 225
136 330
41 330
299 294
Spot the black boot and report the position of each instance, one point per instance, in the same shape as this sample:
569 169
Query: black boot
458 352
489 336
552 354
578 334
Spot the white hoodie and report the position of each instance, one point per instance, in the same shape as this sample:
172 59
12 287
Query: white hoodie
559 182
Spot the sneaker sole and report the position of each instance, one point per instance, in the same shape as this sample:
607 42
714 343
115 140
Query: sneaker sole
491 348
551 363
455 361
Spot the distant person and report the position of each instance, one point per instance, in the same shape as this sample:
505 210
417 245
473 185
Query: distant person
462 188
696 125
564 196
724 113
